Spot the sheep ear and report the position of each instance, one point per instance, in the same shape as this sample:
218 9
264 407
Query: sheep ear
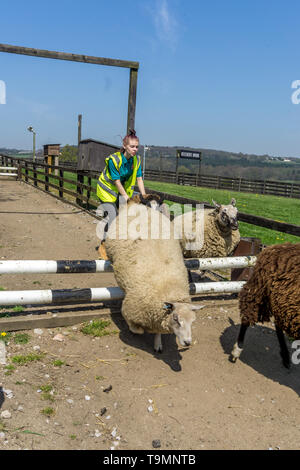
135 198
143 200
233 202
217 206
176 318
168 306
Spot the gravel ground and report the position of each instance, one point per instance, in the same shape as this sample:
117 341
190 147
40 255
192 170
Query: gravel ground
65 389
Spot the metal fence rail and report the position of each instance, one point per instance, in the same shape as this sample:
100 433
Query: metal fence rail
78 187
274 188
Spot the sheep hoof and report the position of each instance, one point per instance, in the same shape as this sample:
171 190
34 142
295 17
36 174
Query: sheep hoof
157 343
235 353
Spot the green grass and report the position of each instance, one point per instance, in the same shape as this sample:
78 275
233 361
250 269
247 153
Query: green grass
2 426
97 328
18 309
25 359
21 338
272 207
70 186
58 363
9 369
5 337
46 395
47 411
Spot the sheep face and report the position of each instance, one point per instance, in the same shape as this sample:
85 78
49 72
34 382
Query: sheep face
227 215
150 200
181 318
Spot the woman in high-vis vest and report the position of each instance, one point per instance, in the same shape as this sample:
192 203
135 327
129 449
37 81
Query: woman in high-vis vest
121 173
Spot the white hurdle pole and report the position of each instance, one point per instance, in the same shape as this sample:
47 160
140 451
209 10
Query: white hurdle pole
68 296
216 287
54 267
220 263
97 266
60 296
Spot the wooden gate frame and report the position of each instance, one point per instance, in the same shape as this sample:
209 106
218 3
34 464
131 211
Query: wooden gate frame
133 66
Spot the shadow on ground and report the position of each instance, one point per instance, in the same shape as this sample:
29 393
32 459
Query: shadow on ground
171 355
2 398
261 352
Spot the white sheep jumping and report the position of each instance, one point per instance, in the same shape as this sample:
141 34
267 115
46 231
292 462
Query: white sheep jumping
149 266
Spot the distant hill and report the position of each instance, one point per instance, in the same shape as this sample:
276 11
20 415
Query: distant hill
6 151
220 162
214 162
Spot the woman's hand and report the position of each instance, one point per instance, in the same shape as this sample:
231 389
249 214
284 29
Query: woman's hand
121 189
141 187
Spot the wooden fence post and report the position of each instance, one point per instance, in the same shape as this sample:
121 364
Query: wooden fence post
61 183
88 193
46 177
19 178
34 175
79 190
26 172
160 166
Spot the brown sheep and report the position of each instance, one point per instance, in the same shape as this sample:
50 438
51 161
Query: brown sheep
272 290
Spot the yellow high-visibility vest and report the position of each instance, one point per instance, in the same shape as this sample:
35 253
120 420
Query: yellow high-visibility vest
106 189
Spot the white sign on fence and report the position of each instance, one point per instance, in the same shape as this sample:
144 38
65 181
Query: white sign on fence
189 154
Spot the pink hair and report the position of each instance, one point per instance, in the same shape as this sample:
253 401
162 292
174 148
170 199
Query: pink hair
131 135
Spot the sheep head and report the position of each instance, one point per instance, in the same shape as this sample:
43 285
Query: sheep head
151 200
181 317
154 201
226 216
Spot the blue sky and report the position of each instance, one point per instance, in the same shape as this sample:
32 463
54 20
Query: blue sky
214 74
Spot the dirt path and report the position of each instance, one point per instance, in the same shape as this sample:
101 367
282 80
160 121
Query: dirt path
113 391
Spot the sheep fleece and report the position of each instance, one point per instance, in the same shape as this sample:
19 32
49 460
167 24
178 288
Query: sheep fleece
216 243
274 289
150 272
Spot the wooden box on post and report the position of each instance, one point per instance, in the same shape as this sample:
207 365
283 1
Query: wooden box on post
51 156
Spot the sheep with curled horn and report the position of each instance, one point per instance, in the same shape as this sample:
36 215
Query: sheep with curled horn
211 233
